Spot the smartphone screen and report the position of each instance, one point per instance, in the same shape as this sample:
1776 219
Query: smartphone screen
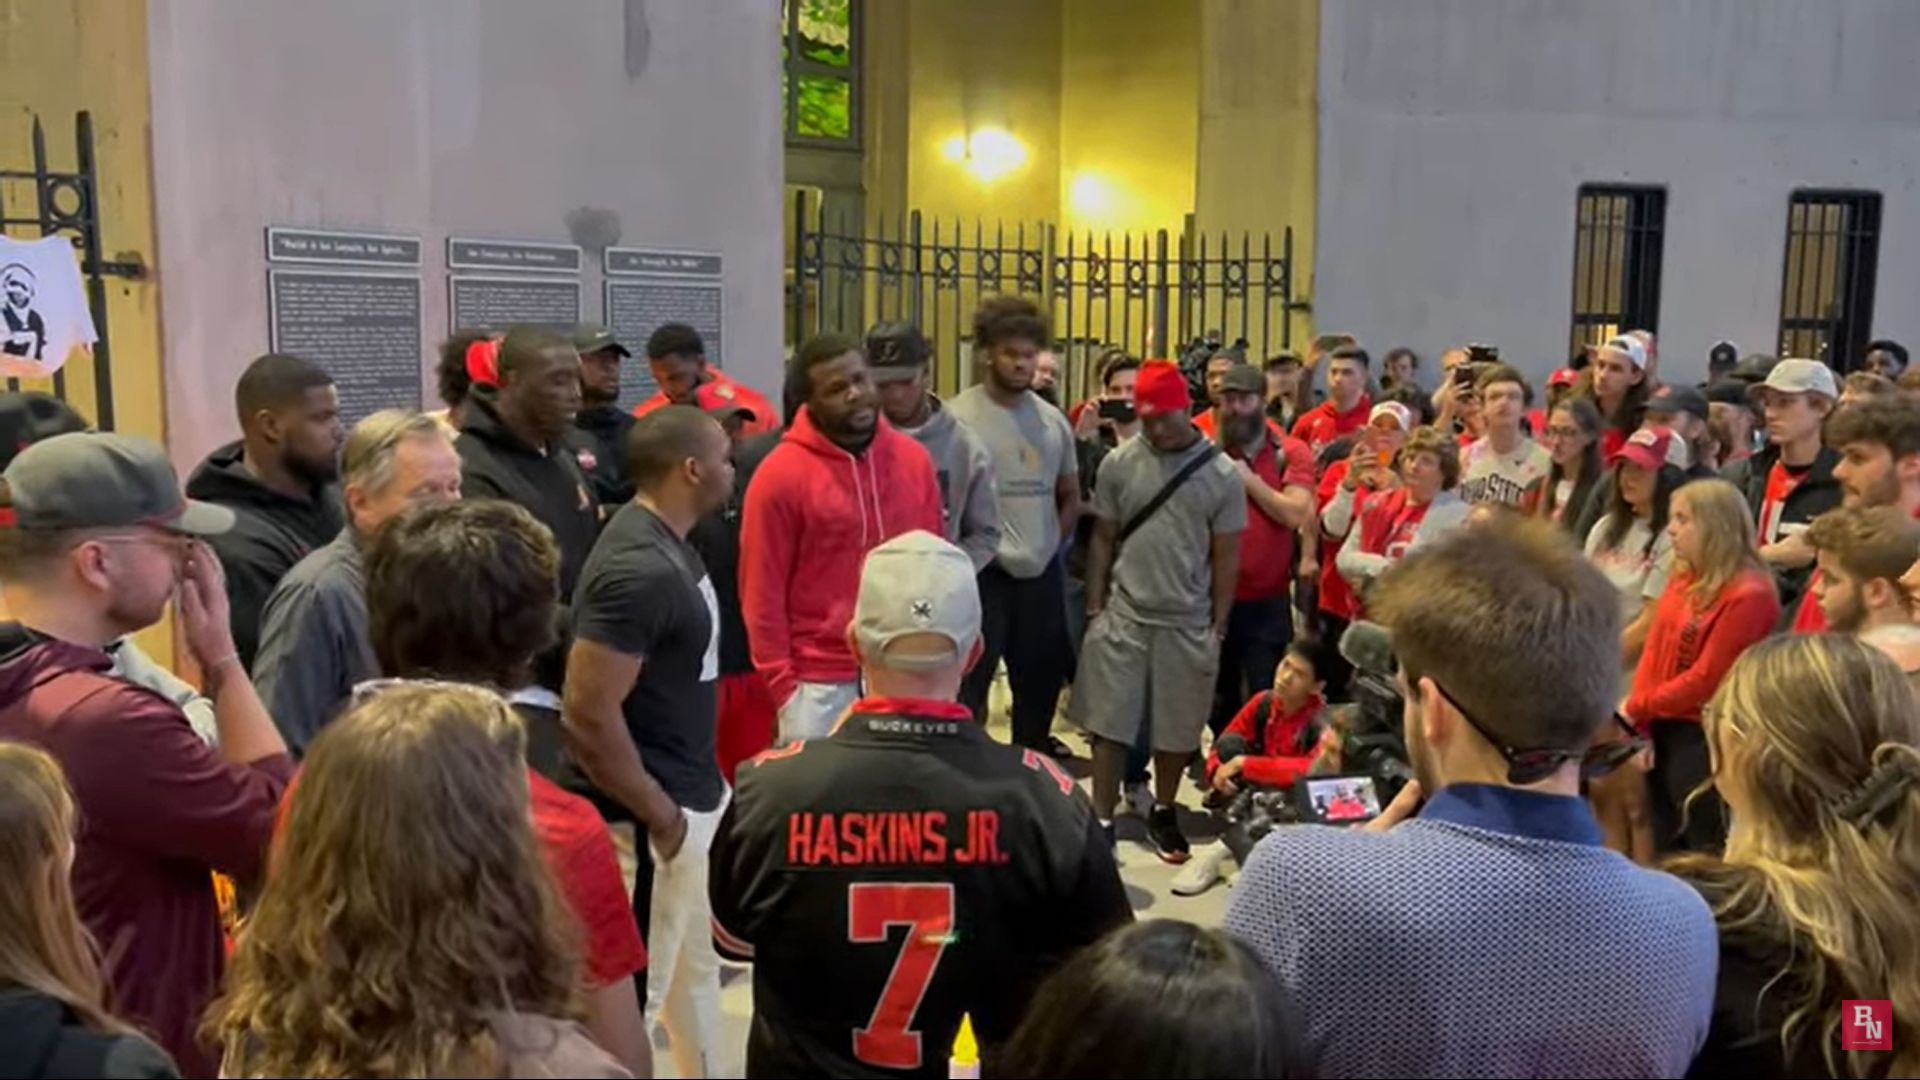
1342 800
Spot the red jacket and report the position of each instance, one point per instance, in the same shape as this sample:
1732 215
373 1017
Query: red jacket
765 416
813 511
1322 424
1266 546
1280 746
1689 650
159 811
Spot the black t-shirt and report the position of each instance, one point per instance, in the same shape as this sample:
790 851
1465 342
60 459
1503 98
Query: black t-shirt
645 593
930 869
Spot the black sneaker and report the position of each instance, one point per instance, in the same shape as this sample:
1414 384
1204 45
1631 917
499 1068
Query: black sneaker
1163 829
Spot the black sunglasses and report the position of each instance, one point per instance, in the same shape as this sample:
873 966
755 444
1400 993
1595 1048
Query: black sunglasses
1603 758
1523 766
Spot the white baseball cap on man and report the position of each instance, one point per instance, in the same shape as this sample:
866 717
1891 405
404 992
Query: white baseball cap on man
916 583
1630 347
1794 376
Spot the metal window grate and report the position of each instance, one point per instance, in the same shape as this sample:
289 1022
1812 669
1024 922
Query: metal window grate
1618 230
1826 285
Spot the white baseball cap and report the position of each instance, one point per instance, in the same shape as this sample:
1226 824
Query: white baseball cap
1792 376
1400 413
1631 347
916 583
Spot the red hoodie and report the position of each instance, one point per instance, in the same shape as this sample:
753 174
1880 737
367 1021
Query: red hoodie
1324 423
813 511
765 416
1280 746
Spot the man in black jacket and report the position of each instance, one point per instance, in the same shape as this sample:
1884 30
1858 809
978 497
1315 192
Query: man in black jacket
600 437
280 479
512 442
1791 482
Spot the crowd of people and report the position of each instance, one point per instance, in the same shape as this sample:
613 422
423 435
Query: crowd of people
502 728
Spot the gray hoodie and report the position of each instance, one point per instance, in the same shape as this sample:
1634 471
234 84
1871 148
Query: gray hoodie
965 467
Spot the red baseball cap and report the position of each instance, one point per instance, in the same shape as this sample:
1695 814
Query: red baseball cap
718 401
1647 448
1566 376
1161 388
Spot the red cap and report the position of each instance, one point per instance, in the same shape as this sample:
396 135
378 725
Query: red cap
1646 448
719 399
1161 388
1566 376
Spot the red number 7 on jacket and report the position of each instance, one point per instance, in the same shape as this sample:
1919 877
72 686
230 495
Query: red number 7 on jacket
873 910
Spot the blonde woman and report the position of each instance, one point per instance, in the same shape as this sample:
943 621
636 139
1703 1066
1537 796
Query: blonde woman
53 1017
1718 601
1814 743
409 926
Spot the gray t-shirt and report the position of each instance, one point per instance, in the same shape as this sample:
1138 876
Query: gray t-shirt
1163 574
1032 448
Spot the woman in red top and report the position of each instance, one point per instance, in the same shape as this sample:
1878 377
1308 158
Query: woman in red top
1718 601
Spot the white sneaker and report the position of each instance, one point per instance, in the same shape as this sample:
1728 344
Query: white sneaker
1201 871
1138 798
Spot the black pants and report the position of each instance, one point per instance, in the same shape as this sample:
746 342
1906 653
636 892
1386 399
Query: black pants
1339 673
1258 632
1680 765
1023 620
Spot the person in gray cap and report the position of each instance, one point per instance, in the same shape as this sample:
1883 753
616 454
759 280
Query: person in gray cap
1791 482
600 443
95 539
897 355
908 815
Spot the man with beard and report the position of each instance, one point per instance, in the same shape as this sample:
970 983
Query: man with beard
840 483
526 392
1878 448
1036 470
1277 472
98 539
280 480
1861 553
600 443
899 356
1477 900
640 704
677 360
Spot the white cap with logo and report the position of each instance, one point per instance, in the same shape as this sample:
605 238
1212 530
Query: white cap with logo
916 583
1630 347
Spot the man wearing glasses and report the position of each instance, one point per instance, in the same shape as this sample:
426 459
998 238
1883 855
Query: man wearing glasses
95 539
1488 935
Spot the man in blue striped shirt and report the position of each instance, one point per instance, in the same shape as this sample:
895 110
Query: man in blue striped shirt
1492 935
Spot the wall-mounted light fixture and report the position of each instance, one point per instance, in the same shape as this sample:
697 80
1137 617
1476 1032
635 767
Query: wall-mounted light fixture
988 153
1090 195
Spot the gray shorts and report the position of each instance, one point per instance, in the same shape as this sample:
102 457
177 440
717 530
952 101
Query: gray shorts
1132 673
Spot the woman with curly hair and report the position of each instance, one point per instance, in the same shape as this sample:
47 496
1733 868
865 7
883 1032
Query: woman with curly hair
409 925
1816 751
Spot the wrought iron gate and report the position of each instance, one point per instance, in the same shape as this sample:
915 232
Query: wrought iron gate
68 203
1153 294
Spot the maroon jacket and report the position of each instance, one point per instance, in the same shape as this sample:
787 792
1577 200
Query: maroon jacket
159 811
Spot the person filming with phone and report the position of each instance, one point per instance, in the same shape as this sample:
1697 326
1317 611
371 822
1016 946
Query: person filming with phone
1488 936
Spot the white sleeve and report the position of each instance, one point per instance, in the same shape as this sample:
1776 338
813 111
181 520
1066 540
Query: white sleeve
1337 518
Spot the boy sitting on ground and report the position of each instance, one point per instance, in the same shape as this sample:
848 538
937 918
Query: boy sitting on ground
1277 737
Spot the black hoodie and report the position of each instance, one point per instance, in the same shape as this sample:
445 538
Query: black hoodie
495 464
273 532
40 1037
601 431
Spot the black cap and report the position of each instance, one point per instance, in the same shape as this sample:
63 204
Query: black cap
896 351
29 416
1678 399
1722 357
592 338
1755 367
1242 378
1728 391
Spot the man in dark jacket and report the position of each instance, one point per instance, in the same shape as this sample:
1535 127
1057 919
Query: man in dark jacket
280 480
512 442
1791 482
600 437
